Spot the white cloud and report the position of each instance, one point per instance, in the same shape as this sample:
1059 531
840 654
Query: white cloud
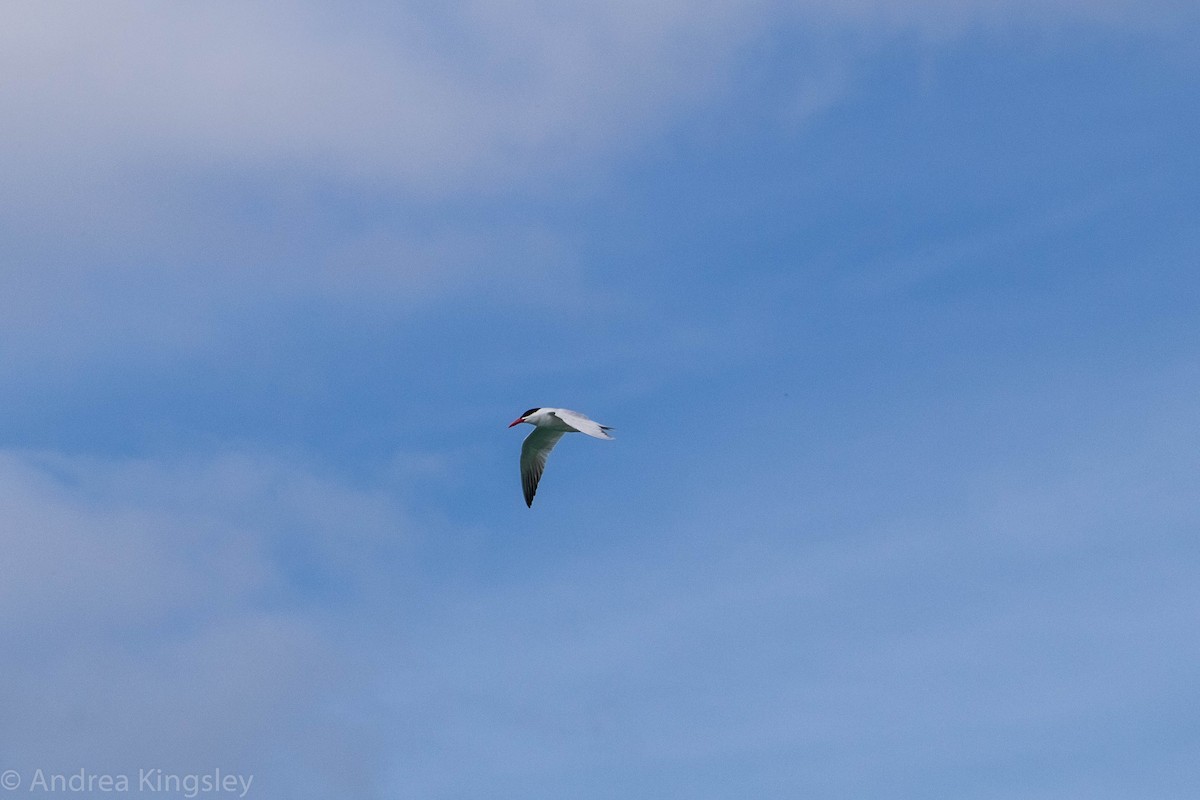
127 123
432 99
247 613
400 95
155 614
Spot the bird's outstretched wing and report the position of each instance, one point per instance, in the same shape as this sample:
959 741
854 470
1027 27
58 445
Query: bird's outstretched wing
582 424
534 453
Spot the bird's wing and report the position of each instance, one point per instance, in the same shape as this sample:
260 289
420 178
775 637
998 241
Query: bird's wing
534 453
582 424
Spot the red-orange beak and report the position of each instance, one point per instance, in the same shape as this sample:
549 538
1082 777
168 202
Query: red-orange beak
516 421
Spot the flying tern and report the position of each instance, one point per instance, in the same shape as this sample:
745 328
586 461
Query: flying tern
549 425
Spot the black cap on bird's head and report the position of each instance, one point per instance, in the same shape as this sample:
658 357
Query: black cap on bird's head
521 418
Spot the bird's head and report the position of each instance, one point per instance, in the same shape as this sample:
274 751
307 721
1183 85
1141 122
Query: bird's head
524 417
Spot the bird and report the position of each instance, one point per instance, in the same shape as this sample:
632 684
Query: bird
549 425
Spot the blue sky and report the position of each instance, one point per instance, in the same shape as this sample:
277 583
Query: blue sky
894 309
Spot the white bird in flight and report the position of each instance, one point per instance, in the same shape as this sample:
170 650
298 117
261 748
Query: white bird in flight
549 425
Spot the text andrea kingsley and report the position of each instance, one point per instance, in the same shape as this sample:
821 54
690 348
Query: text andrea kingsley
182 784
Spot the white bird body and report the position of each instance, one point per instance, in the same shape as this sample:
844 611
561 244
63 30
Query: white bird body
549 426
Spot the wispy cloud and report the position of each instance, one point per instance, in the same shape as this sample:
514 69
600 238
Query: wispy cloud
162 162
433 101
242 612
165 616
430 100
